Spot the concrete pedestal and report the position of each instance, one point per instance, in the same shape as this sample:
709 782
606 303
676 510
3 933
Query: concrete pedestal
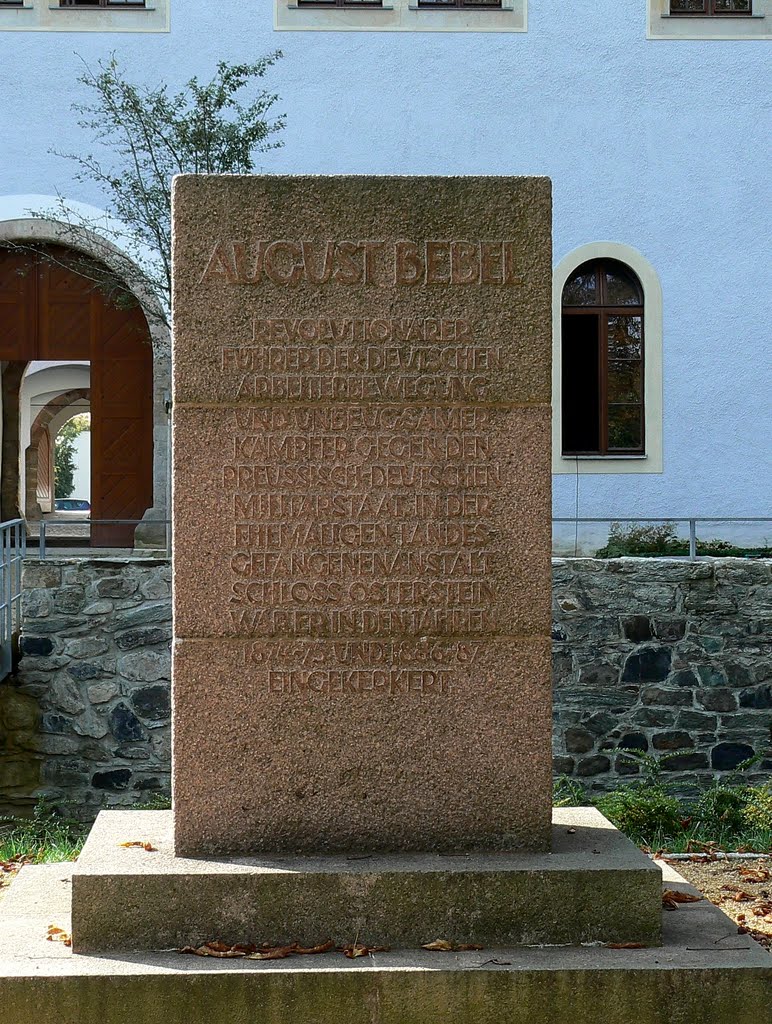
703 972
595 886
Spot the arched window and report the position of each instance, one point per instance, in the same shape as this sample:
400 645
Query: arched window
602 361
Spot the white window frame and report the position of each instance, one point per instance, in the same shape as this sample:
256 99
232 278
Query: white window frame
664 25
400 16
48 16
652 460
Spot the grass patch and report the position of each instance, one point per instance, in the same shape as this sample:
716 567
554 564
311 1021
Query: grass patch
44 838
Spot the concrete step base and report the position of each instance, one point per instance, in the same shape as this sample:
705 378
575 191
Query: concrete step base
704 972
595 886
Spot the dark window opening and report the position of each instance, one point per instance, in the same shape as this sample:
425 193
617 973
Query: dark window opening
602 361
89 4
465 4
711 8
340 3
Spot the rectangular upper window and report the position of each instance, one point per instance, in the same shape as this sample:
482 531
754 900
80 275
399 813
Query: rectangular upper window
340 3
710 19
711 8
84 15
102 3
402 15
439 5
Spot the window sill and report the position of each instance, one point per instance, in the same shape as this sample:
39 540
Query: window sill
48 16
330 10
602 465
149 7
702 18
508 5
664 25
400 16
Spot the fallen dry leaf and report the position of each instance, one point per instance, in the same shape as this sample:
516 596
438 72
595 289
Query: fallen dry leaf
58 935
355 950
439 945
738 895
755 874
323 947
273 953
148 847
443 946
672 897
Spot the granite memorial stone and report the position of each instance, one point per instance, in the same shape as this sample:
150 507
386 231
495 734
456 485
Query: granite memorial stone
361 514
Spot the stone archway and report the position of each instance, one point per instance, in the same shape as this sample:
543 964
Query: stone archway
26 231
38 458
49 312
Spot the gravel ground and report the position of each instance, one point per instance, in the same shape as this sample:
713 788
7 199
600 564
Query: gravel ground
743 890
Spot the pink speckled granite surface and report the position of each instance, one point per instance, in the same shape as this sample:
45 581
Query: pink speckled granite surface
361 514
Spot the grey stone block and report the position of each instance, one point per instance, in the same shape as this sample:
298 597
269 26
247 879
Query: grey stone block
594 886
705 972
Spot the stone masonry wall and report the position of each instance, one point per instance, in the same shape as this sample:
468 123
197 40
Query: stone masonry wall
85 720
650 655
666 657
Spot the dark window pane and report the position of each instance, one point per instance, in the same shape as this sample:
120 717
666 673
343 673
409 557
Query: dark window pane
582 289
581 399
624 381
622 288
459 3
625 337
624 428
711 7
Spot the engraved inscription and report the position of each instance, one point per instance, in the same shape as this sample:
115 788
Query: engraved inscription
363 668
362 521
329 359
405 263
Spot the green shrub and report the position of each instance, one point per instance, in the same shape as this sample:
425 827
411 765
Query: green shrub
758 810
643 811
662 540
721 808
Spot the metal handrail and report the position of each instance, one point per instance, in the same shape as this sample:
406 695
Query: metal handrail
691 520
44 524
13 538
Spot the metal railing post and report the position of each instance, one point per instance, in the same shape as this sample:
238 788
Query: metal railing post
692 540
42 541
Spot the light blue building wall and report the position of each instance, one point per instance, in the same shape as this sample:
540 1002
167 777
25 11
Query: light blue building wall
660 145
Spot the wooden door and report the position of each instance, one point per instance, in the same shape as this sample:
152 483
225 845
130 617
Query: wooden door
121 423
47 311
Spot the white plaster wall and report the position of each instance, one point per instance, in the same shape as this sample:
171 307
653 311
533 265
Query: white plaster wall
42 382
82 474
662 145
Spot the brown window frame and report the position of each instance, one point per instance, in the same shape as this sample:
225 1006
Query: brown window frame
603 312
340 3
463 5
709 11
112 5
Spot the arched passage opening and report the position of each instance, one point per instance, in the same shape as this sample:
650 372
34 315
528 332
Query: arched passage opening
49 312
39 455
